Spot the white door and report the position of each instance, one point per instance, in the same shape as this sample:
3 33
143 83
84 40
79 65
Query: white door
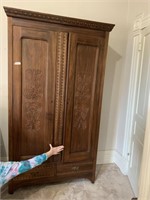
142 88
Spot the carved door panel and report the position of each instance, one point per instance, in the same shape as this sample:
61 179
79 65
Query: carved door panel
82 97
36 86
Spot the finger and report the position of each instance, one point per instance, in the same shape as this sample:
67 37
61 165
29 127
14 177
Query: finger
61 147
58 148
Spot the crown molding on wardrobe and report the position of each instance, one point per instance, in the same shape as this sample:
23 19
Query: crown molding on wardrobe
44 17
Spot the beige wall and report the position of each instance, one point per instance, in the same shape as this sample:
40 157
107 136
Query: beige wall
111 11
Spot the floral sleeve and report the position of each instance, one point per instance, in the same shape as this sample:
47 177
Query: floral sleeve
9 170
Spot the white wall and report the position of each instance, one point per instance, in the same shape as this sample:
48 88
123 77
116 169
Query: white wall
110 11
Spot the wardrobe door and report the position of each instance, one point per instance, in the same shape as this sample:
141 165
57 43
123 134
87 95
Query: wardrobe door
83 97
33 88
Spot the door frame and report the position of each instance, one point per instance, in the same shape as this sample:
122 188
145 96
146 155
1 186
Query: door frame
144 181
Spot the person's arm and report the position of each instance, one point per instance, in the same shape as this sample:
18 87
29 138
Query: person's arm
38 160
13 169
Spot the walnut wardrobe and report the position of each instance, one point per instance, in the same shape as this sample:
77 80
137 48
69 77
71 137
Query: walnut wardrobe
56 76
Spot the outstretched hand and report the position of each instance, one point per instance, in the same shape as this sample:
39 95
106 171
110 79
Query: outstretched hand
54 150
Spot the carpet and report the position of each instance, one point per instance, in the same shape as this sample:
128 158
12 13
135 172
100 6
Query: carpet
110 184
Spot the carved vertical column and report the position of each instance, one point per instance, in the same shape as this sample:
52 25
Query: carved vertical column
60 85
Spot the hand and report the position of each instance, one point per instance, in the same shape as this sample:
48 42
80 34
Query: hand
54 150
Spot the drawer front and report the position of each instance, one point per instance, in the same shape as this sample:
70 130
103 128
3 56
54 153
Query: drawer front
44 170
74 168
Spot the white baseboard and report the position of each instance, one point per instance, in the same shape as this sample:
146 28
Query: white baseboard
104 157
112 156
121 162
3 159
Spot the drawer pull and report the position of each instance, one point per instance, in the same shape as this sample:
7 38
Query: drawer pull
75 168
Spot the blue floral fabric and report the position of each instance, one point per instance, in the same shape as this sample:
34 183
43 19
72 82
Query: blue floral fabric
9 170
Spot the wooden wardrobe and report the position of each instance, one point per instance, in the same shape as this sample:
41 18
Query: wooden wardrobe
56 76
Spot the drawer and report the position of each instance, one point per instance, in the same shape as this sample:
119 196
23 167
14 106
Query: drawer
74 168
44 170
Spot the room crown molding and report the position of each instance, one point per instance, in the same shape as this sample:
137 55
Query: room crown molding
43 17
145 22
141 22
138 22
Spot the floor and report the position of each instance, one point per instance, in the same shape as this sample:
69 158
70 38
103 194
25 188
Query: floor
110 184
